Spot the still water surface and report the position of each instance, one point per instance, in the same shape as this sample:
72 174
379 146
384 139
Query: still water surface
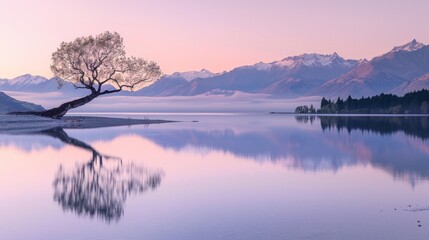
227 176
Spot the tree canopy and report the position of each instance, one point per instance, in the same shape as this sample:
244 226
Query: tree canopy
91 62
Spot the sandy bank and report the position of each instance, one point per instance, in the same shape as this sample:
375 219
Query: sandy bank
28 123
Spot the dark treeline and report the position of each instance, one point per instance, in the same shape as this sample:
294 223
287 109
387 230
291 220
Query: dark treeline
411 103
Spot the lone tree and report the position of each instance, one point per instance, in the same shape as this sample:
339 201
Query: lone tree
93 62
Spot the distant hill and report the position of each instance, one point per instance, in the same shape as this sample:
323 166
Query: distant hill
9 104
413 85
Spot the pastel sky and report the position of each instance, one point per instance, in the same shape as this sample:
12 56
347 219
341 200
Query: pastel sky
218 35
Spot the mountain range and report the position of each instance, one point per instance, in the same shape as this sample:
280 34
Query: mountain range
403 69
291 77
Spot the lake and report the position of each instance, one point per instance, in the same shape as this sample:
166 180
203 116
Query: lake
220 176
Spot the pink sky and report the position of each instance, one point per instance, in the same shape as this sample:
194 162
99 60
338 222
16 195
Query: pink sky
217 35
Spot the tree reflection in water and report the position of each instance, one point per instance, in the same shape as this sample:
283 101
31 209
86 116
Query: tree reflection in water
101 186
416 126
404 158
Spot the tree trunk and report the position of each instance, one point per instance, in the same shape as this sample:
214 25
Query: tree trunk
60 111
60 134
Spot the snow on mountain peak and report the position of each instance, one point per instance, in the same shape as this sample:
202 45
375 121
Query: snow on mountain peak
307 59
261 66
191 75
409 47
27 79
311 59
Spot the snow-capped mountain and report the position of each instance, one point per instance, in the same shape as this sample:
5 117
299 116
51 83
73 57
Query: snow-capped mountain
39 84
33 83
27 79
290 77
191 75
314 60
383 74
409 47
304 60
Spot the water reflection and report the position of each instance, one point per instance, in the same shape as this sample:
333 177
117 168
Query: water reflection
101 186
397 145
404 157
227 181
95 189
315 147
305 118
412 126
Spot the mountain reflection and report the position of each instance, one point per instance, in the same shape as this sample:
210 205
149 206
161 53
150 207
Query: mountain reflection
101 186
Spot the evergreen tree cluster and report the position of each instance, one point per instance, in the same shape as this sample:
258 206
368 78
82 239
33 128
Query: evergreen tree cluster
305 109
411 103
